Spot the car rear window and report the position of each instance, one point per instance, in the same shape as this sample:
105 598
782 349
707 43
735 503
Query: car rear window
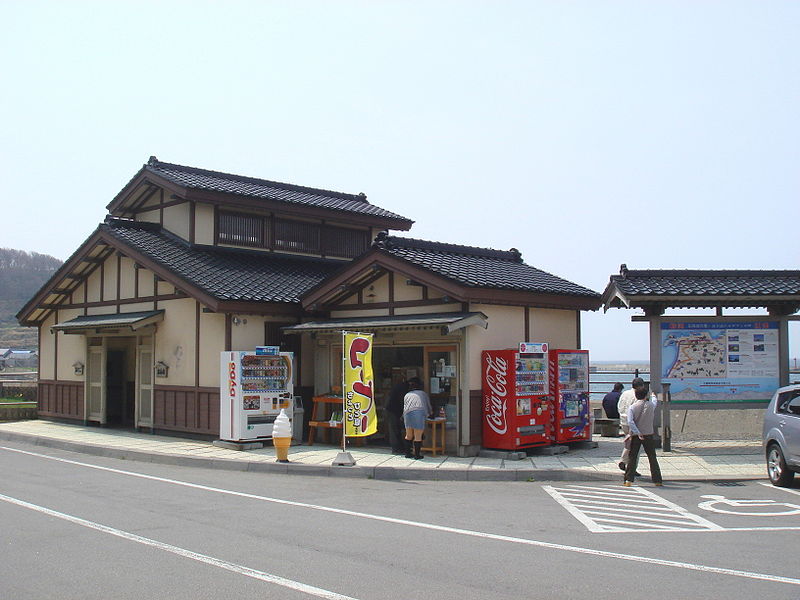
789 403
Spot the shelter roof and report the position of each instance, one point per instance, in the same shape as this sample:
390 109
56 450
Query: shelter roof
657 289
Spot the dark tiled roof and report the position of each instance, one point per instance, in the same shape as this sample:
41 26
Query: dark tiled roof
706 283
225 274
214 181
479 267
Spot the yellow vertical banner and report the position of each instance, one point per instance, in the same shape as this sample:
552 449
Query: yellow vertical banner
360 416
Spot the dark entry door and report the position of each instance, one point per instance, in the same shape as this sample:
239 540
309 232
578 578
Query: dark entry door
119 406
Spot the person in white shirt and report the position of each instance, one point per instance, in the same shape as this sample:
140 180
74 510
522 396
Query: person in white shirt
627 398
641 415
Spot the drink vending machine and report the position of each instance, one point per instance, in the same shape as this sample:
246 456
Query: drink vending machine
517 410
569 386
254 387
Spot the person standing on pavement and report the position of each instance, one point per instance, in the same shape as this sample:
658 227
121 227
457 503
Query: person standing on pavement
416 408
640 421
625 400
394 415
610 401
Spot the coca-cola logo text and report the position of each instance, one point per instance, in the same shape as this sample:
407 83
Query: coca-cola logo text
495 376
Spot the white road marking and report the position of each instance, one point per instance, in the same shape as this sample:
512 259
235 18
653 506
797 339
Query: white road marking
715 500
635 509
454 530
782 489
209 560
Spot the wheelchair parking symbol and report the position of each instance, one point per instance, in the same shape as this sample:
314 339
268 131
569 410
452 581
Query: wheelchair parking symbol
752 508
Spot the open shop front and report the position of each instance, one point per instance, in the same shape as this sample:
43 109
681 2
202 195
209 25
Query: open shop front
430 347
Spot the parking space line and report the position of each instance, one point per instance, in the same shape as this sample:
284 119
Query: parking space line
636 509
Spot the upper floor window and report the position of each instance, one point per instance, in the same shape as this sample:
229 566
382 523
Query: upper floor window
296 236
241 229
339 241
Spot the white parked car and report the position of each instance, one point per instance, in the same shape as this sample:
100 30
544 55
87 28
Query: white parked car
782 435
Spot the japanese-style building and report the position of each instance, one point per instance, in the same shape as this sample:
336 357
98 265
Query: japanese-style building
191 262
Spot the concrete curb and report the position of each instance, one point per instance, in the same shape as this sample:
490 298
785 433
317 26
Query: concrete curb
362 472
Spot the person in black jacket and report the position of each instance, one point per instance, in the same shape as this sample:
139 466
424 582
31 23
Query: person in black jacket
394 416
610 401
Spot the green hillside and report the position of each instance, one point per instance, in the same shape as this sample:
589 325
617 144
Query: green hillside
21 275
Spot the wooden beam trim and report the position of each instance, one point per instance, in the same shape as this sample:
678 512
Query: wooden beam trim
119 280
192 217
160 298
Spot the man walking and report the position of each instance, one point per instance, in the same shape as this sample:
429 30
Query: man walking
640 421
625 400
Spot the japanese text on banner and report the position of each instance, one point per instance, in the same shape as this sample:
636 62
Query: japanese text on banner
360 418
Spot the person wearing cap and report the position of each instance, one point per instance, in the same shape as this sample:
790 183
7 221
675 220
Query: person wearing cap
627 398
416 408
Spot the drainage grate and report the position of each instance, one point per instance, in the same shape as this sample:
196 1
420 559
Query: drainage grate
729 483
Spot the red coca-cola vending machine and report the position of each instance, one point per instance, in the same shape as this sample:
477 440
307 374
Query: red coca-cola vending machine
569 386
517 410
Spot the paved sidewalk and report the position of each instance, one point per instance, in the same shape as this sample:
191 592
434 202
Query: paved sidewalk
717 460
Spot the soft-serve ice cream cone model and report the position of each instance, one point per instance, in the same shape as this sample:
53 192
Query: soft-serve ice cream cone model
282 436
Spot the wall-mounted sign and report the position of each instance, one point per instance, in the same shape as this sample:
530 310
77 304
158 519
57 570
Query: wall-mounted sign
162 369
268 350
720 361
533 348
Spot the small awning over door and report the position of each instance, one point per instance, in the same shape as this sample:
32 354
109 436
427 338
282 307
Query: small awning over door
101 323
448 322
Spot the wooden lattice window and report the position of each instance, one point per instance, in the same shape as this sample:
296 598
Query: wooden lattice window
240 229
296 236
348 243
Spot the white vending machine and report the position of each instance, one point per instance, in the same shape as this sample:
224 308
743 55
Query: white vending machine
254 387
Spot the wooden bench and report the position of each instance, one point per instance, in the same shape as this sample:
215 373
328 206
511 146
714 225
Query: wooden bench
320 418
607 427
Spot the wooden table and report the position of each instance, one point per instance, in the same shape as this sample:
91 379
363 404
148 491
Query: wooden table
436 441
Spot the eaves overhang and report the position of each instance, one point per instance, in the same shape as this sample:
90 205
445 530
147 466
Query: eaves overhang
102 323
446 322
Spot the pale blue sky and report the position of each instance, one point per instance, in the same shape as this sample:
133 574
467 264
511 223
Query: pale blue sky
585 133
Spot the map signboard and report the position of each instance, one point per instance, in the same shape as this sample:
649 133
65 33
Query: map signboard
720 361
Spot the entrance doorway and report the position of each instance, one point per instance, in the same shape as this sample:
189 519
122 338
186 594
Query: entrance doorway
119 390
111 377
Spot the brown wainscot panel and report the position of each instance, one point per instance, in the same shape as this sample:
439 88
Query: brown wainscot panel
190 409
60 399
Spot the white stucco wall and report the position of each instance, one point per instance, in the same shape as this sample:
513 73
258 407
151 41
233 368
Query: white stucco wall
175 342
71 348
506 329
46 349
559 328
176 220
246 336
204 224
212 342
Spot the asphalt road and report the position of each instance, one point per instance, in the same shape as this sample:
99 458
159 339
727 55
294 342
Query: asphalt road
76 526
